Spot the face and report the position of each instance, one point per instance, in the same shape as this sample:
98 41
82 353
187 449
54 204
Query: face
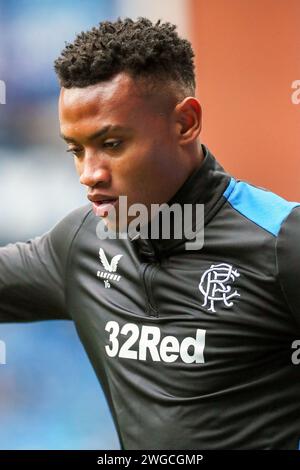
124 143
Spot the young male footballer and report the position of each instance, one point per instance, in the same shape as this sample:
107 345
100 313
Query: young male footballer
192 344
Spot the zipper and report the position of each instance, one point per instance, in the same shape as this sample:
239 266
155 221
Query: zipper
148 273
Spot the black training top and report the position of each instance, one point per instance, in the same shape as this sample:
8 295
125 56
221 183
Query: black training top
193 348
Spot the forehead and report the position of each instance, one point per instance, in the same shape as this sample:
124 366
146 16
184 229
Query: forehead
116 97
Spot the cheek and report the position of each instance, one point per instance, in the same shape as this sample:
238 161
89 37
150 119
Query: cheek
139 175
134 169
142 157
143 165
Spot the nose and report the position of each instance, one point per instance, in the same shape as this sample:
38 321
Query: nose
94 170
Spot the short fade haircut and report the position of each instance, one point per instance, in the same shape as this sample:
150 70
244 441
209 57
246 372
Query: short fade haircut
141 48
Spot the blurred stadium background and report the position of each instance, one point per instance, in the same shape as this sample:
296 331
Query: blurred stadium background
247 58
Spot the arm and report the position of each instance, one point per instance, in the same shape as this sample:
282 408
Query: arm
288 260
32 274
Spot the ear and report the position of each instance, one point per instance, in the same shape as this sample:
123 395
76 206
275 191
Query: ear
188 116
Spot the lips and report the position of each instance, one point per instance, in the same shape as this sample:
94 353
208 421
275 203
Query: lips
103 205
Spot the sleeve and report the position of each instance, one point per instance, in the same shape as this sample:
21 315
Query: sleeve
33 273
288 260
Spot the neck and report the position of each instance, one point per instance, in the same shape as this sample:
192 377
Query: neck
197 156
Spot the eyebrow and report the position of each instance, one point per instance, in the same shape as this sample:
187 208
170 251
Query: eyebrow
100 133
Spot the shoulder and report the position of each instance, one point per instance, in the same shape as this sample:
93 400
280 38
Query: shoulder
265 208
64 232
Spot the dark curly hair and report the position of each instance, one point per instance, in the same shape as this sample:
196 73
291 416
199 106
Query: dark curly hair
140 48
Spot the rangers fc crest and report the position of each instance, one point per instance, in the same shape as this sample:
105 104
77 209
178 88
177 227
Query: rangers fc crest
216 285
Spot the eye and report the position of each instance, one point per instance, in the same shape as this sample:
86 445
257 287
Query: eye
75 151
112 143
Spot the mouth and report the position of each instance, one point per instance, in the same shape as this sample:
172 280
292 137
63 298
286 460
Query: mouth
102 207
